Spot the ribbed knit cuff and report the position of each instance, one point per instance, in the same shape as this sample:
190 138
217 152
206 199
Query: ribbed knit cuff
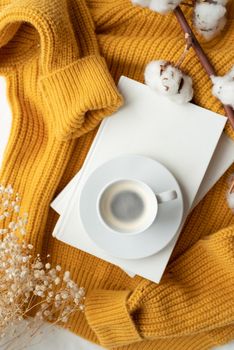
108 316
79 96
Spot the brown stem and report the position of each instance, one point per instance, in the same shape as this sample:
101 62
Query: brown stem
185 52
186 4
232 187
202 56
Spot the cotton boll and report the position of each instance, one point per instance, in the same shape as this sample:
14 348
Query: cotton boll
223 88
209 19
185 93
207 15
143 3
225 93
208 35
220 25
169 80
153 74
162 76
160 6
231 73
221 2
164 6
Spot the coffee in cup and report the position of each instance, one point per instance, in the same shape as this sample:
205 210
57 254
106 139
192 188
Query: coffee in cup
130 206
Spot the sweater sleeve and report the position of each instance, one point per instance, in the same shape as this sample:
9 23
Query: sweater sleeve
74 81
195 296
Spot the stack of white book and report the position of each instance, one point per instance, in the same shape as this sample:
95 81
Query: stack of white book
187 139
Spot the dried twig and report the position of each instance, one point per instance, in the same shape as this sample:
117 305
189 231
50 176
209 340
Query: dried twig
231 189
186 50
201 55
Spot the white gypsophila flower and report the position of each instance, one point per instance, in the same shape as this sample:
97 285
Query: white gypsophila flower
160 6
58 268
47 266
27 284
209 18
66 276
223 88
169 80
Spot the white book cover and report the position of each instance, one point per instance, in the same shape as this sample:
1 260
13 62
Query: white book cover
182 137
222 159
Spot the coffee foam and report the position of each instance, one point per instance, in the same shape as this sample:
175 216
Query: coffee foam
125 206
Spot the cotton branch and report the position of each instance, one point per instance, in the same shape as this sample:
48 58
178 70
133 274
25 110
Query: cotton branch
201 56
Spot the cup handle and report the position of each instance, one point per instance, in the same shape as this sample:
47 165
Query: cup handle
166 196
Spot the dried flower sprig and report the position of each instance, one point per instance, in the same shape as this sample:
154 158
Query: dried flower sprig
9 205
28 286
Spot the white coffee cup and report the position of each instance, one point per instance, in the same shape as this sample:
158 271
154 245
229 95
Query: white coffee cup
130 206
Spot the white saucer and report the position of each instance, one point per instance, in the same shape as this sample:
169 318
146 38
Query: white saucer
159 234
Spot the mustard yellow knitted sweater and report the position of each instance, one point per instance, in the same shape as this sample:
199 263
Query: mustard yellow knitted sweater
62 59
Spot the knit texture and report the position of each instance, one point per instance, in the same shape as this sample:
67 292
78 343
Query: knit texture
62 60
